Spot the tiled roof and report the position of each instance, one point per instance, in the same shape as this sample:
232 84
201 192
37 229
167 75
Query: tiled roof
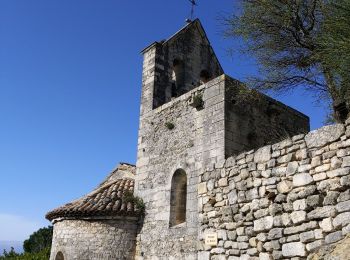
106 200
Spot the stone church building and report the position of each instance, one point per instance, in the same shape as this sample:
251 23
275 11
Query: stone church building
211 180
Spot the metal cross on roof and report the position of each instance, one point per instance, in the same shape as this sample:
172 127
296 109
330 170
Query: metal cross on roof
193 2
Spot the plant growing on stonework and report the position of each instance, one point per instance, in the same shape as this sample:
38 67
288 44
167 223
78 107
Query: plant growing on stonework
129 196
169 125
197 101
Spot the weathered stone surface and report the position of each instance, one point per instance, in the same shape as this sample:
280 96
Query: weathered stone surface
322 212
263 154
284 186
292 168
346 161
262 224
299 204
293 249
302 179
98 236
202 188
275 233
298 216
343 206
341 220
265 256
326 225
314 245
232 197
333 237
324 135
338 172
307 236
204 255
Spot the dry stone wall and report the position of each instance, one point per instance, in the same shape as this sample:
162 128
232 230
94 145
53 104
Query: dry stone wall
282 201
95 239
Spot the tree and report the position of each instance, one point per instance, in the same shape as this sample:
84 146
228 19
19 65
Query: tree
290 40
39 240
335 45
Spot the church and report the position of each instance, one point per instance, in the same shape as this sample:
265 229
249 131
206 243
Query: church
217 165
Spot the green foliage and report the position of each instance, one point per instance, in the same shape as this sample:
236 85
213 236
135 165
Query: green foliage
335 42
12 255
197 101
38 240
129 196
296 43
36 247
169 125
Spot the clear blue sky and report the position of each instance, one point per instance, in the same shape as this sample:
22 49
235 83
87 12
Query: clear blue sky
70 81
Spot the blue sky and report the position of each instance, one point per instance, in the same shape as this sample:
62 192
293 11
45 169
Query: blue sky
70 82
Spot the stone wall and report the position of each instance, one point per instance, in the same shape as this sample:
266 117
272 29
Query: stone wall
196 139
163 79
284 200
253 119
95 239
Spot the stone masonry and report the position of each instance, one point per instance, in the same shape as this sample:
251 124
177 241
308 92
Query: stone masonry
94 239
199 137
223 172
281 201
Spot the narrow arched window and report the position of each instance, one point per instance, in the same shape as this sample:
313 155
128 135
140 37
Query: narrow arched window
178 77
204 76
178 198
59 256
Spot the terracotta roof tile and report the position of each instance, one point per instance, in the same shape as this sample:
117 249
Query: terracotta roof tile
105 200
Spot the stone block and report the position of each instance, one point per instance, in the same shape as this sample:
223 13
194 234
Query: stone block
299 204
344 196
265 256
202 188
307 236
324 135
222 182
314 245
298 216
316 161
284 186
320 176
263 154
343 206
263 224
346 161
285 158
335 163
322 168
338 172
275 233
333 237
322 212
292 168
314 201
232 197
326 225
341 220
272 245
302 179
304 168
331 198
346 230
293 249
345 181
